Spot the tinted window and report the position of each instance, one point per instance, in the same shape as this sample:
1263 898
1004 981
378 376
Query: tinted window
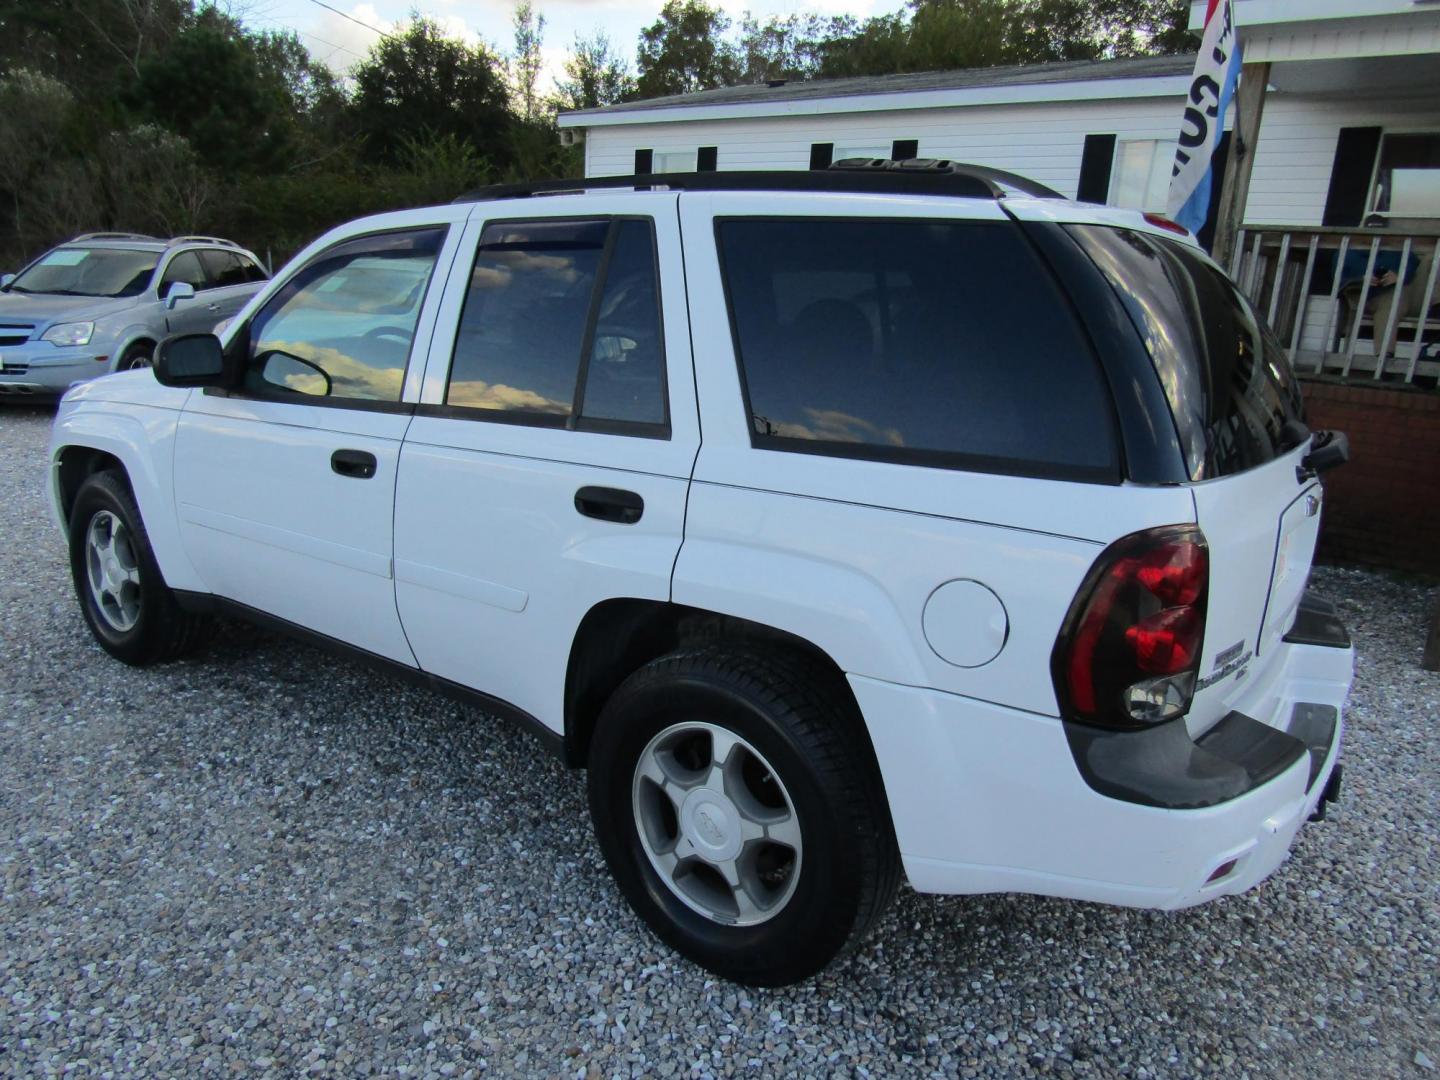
625 379
941 343
1228 379
184 267
73 271
343 325
560 307
229 268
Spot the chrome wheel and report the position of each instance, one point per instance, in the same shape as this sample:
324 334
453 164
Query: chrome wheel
136 361
717 823
112 571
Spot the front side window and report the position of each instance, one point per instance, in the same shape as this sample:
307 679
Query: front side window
932 342
71 271
561 326
342 327
187 269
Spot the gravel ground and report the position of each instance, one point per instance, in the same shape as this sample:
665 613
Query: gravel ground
269 862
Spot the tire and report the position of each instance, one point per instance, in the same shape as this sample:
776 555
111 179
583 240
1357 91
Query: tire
127 605
798 760
138 355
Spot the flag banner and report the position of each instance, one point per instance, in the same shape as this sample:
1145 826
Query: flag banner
1211 88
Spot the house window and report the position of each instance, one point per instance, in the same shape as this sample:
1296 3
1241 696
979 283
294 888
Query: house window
860 150
1407 177
674 161
1140 179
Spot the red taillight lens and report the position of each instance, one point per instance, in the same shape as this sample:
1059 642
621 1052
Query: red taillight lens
1130 648
1160 221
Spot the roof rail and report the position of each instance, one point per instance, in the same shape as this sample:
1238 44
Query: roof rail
111 236
912 176
200 240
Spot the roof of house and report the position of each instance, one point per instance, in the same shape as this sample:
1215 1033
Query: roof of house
792 96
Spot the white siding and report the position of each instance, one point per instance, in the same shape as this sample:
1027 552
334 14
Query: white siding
1291 176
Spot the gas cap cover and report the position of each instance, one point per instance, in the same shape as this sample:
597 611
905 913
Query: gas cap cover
965 623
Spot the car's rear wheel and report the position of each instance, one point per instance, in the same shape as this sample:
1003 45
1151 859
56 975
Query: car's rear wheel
127 605
739 808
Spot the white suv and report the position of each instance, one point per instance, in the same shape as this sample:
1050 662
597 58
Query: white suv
842 524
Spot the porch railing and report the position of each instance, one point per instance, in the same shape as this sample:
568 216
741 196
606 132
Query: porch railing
1327 295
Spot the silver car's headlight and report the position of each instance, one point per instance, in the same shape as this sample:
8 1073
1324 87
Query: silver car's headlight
70 333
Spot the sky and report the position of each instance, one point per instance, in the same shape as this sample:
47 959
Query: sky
340 41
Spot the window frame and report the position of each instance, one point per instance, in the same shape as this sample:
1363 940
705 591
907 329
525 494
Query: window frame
166 264
1373 193
575 421
951 460
241 339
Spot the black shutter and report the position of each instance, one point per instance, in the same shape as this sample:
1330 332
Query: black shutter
1218 162
904 149
1355 152
821 154
706 158
1095 164
644 162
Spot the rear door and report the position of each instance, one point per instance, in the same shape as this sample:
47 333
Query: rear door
1237 408
547 466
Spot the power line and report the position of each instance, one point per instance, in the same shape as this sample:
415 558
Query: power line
347 15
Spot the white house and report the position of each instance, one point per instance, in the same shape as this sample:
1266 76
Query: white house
1346 161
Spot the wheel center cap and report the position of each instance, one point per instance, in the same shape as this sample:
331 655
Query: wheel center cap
710 821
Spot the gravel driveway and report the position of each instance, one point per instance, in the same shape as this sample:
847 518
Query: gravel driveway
266 861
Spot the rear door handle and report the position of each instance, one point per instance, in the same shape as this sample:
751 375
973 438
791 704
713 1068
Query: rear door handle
357 463
610 504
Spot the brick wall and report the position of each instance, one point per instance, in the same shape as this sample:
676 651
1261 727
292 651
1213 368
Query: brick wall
1382 509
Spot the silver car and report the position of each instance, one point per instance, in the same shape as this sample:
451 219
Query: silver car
101 302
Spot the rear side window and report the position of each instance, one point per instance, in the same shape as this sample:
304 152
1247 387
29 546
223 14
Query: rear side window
229 268
929 342
561 327
1227 377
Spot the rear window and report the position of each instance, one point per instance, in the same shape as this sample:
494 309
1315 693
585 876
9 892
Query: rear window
1228 379
929 342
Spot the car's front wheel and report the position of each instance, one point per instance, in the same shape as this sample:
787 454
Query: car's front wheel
739 809
127 605
137 356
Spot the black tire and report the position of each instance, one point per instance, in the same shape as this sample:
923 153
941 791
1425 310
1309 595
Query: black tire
161 629
814 742
139 355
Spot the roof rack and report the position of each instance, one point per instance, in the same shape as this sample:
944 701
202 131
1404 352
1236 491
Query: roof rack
111 236
911 176
200 240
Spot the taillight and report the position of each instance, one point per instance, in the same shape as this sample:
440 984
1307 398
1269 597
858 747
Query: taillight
1129 651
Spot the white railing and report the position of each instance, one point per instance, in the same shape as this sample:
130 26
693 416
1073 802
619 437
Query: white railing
1326 294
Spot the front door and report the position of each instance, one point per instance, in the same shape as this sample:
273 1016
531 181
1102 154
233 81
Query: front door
547 467
285 489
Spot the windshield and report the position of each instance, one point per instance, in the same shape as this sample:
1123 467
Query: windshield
74 271
1228 379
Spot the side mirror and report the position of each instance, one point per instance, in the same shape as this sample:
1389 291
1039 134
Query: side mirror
187 360
179 290
5 280
1330 448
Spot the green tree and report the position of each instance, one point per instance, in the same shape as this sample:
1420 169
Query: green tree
527 61
594 76
421 80
685 50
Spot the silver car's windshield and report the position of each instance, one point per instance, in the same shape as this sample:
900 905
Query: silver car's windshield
74 271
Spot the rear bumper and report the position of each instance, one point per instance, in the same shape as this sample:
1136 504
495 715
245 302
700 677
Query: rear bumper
989 799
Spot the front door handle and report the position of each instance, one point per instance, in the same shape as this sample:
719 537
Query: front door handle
610 504
357 463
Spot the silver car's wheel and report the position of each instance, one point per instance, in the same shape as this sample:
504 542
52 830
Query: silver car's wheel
112 571
717 824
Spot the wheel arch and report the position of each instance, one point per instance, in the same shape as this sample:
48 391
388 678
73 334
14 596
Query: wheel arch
84 442
619 636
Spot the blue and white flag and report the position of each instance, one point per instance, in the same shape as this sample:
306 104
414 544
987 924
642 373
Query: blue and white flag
1211 88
